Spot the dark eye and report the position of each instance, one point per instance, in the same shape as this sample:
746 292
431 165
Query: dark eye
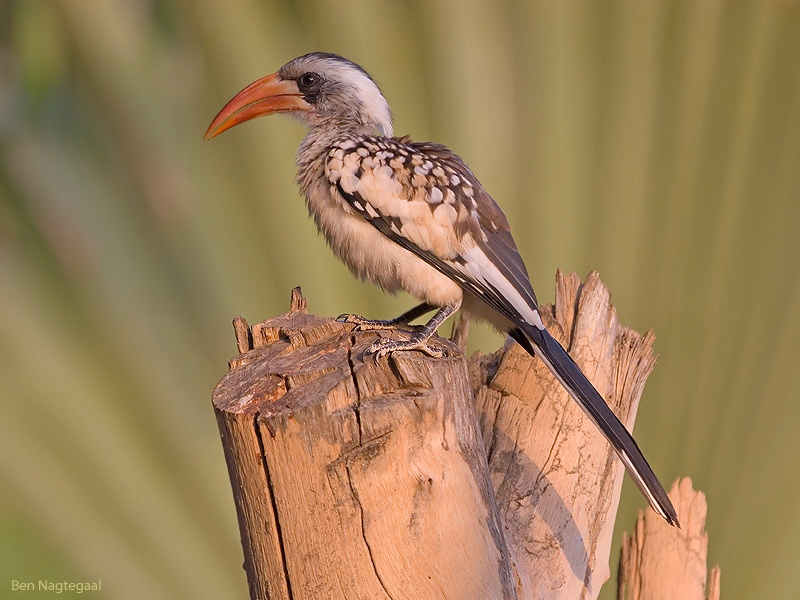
309 83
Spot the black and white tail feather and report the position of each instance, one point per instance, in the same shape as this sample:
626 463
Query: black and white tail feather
540 343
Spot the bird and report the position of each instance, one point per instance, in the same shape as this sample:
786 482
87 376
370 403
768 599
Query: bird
412 216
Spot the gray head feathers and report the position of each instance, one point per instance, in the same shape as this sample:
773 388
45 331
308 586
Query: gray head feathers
340 92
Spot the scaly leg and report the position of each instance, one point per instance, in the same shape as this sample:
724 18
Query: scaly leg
364 324
419 339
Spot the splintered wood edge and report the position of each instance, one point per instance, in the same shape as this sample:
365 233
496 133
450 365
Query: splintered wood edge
298 303
658 560
245 338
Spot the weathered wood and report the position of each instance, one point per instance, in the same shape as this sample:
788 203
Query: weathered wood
659 562
356 478
556 479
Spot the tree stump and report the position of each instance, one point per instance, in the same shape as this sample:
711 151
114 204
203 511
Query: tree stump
357 478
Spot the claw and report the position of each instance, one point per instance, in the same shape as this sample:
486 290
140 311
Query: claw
364 324
420 335
383 346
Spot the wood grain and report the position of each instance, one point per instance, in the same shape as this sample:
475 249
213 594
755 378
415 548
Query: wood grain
357 478
659 562
556 479
410 477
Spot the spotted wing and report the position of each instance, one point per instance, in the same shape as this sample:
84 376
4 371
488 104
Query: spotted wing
423 197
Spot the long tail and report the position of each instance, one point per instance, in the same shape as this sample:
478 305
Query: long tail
540 343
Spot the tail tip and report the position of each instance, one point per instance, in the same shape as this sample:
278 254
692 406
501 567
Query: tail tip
669 514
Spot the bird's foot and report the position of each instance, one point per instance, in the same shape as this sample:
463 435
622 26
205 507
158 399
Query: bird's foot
416 342
364 324
420 335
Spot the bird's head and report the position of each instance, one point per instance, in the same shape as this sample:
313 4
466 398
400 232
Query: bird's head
320 88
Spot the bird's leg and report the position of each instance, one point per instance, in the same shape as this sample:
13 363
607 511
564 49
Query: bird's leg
364 324
419 339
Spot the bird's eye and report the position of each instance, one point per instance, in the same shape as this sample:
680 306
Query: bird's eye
309 83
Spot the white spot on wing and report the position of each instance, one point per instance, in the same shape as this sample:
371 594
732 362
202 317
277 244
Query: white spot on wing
349 182
445 215
386 171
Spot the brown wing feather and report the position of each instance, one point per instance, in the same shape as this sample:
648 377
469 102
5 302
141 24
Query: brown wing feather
497 241
433 205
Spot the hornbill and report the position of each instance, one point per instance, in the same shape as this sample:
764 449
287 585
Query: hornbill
411 216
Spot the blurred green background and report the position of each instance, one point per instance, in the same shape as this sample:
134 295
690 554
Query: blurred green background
655 141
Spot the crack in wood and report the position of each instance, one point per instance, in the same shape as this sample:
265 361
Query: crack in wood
400 424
